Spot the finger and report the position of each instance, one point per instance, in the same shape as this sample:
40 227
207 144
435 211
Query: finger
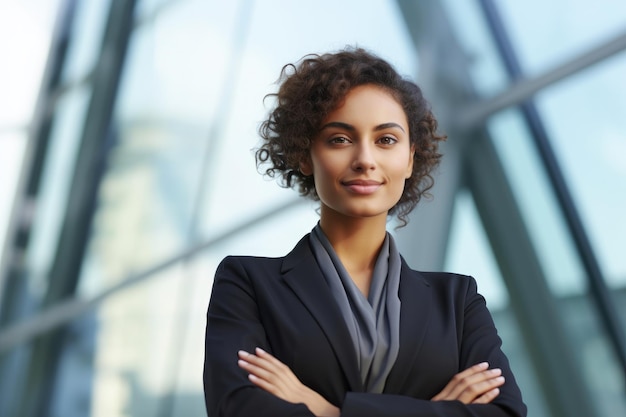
281 370
474 391
473 383
268 368
257 371
487 397
458 378
479 367
270 358
256 360
264 384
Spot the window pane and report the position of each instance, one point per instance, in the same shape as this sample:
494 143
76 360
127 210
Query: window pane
12 146
25 30
87 32
585 120
56 179
471 31
469 252
546 33
190 101
559 259
537 202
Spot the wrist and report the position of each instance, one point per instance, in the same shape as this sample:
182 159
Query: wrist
321 407
328 410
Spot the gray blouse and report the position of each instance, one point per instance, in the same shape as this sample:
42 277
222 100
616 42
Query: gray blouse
373 322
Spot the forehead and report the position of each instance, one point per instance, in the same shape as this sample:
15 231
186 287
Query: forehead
369 102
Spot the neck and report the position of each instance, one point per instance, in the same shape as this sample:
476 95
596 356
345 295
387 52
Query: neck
356 241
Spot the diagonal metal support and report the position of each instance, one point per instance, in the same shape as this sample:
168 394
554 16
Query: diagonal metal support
552 355
475 114
60 314
534 305
95 142
597 283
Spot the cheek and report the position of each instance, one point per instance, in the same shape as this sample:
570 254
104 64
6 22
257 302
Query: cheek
402 171
326 178
323 180
324 169
401 176
409 169
399 190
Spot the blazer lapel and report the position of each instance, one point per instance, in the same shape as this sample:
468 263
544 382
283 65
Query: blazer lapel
302 273
415 297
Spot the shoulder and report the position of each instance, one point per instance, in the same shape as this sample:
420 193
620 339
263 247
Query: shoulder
448 279
244 275
448 283
249 263
439 279
262 264
455 293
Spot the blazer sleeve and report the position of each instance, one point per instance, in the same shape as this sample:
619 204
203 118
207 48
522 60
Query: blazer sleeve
479 342
233 324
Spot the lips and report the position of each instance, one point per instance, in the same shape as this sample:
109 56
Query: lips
362 186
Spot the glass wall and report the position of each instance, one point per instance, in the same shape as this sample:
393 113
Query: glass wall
579 116
183 172
23 66
178 188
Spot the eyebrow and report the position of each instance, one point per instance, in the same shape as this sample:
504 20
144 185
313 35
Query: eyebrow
351 128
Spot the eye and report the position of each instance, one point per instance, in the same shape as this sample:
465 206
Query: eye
387 140
338 140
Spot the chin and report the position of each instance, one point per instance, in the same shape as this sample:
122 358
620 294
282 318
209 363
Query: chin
365 213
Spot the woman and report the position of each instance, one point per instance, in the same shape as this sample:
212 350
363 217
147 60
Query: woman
341 325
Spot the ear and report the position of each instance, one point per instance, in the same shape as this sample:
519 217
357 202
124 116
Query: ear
409 168
306 167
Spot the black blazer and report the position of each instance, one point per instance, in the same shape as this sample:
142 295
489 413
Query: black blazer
284 306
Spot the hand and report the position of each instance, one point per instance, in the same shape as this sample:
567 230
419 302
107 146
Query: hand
475 385
270 374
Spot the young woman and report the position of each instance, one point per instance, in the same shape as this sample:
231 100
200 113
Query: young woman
341 325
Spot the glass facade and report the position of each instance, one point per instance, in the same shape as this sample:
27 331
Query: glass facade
583 119
32 23
119 200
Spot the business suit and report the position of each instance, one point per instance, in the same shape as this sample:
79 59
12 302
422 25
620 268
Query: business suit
284 306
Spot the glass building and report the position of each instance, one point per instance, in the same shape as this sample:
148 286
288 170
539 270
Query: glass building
128 174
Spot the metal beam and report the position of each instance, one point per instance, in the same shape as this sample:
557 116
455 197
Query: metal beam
15 298
477 113
424 240
19 226
64 312
534 305
595 277
95 143
549 350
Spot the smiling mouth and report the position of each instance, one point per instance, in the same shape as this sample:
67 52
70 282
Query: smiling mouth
363 187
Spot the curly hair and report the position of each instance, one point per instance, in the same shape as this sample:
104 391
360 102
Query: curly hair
316 86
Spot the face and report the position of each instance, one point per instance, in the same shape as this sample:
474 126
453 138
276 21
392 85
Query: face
362 155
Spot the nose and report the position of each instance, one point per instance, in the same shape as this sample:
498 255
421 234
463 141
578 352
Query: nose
364 158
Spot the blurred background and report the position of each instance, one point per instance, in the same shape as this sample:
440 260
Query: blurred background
127 131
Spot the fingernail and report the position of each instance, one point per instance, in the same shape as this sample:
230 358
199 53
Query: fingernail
483 365
496 371
242 353
259 350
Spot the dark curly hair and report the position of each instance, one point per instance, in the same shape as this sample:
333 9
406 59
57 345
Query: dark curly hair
312 89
